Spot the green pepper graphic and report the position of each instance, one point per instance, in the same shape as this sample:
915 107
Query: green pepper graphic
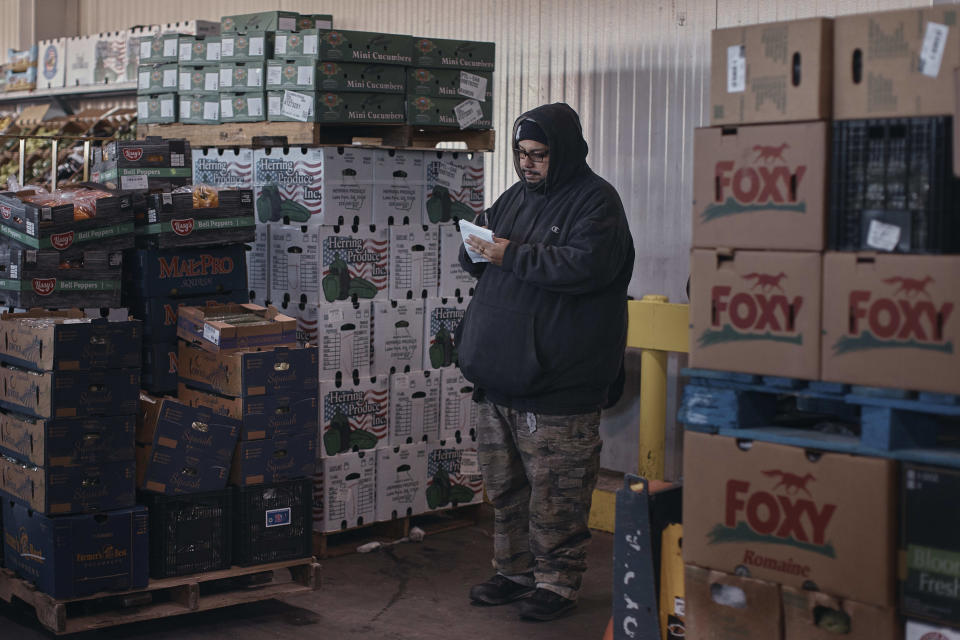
336 284
460 494
362 288
438 493
362 440
295 211
438 204
442 352
337 438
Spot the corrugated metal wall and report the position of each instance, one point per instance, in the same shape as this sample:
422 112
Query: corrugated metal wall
9 26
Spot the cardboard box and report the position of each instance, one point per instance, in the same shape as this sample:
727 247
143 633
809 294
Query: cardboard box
308 322
258 265
280 111
70 394
414 407
235 327
340 77
314 21
761 187
441 112
453 474
343 338
110 58
66 442
808 615
159 108
920 631
157 78
254 46
401 481
242 107
74 489
443 316
756 312
414 262
159 315
241 77
397 336
454 186
154 164
345 496
457 54
187 272
39 280
720 606
366 46
355 265
398 187
888 321
773 72
200 81
361 108
896 63
199 50
192 27
444 83
278 416
455 282
928 544
81 54
52 63
302 43
354 417
825 519
159 47
250 373
458 411
263 21
76 556
172 220
295 255
274 460
223 168
183 448
292 73
199 108
135 37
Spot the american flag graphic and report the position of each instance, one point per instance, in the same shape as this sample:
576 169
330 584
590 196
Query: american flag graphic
370 413
442 458
470 191
111 55
303 183
307 322
237 174
375 272
451 324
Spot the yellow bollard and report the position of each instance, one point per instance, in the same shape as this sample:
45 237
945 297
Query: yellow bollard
653 407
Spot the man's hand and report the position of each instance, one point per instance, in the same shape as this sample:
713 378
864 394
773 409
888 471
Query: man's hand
492 251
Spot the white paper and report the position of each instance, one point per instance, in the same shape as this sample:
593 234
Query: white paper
883 236
226 78
468 112
679 607
134 182
211 81
145 50
934 43
274 104
211 110
186 51
185 107
255 77
226 107
226 48
166 108
280 44
310 44
449 175
256 46
287 24
254 107
211 334
170 48
184 81
468 229
169 78
274 76
143 109
736 69
473 86
469 464
143 82
213 51
296 105
305 75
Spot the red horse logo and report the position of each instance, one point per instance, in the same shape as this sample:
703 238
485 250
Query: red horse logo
909 286
770 154
765 281
790 481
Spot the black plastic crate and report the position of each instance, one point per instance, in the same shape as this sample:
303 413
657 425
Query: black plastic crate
273 522
896 172
189 533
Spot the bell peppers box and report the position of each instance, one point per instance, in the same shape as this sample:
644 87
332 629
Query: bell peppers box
929 546
455 54
397 336
365 46
440 325
199 50
784 514
458 412
447 83
74 489
354 264
455 281
274 460
401 481
756 312
761 187
67 441
344 340
805 616
414 261
896 63
183 448
720 606
223 168
150 164
454 186
890 321
453 474
95 280
252 46
68 340
189 271
70 394
773 72
398 187
76 556
345 494
353 416
361 108
261 417
231 327
263 21
199 80
347 76
52 63
160 314
441 112
250 373
173 220
921 631
159 108
414 407
258 265
242 76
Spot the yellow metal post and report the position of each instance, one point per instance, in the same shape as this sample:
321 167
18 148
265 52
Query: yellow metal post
653 407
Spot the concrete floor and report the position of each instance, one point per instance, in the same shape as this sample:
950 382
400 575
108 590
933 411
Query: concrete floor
411 592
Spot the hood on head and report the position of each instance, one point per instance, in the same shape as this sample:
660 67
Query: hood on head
568 149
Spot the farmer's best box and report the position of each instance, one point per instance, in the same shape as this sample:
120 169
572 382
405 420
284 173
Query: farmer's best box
774 72
791 516
761 187
892 321
756 312
231 327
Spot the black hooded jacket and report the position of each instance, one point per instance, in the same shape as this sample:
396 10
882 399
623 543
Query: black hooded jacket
545 332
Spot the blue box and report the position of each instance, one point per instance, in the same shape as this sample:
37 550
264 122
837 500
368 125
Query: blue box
159 315
60 491
185 272
274 460
67 441
70 394
65 340
159 374
76 556
250 373
262 417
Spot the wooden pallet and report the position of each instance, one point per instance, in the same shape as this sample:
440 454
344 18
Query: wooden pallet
163 598
280 134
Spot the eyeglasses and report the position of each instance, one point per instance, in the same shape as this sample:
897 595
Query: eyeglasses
536 157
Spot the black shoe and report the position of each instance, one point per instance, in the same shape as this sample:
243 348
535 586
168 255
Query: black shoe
545 605
499 590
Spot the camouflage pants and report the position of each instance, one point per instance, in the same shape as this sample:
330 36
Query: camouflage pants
539 472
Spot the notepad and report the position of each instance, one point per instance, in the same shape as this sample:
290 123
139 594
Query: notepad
468 229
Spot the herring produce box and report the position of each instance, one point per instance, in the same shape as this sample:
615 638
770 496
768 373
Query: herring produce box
365 46
453 54
772 72
397 336
223 168
453 474
455 282
242 106
294 265
70 394
401 481
354 416
445 112
761 187
250 373
61 491
805 614
360 108
51 63
275 416
454 182
188 271
398 187
344 339
414 261
345 494
199 80
756 312
258 265
791 516
354 265
443 316
274 460
458 411
414 407
158 108
720 606
67 441
199 108
450 83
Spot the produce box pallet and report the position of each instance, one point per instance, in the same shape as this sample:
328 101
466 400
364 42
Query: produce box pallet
278 134
164 598
891 423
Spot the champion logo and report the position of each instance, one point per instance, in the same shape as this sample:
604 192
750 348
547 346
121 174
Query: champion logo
5 211
182 227
133 154
61 241
555 229
44 286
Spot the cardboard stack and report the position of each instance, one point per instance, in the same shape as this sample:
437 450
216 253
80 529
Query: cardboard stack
67 415
450 83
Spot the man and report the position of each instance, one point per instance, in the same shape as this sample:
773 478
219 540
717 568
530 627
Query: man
543 341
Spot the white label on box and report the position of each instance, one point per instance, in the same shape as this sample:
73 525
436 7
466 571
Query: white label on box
226 48
166 108
186 51
736 69
287 24
226 78
280 44
679 607
256 46
277 517
143 109
305 75
274 104
169 78
144 50
134 182
185 110
296 106
335 316
143 81
341 494
473 86
274 75
255 77
211 110
468 112
449 176
226 106
310 43
469 464
185 81
254 107
883 236
170 48
211 81
213 51
211 334
934 43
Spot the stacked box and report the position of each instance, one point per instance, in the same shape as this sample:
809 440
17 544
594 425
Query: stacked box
454 186
264 21
398 331
458 412
449 84
158 108
199 108
398 187
445 83
189 532
414 256
414 407
150 164
455 282
453 474
46 278
366 47
343 334
443 316
187 220
401 481
110 57
199 80
246 47
199 51
353 415
344 491
291 106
